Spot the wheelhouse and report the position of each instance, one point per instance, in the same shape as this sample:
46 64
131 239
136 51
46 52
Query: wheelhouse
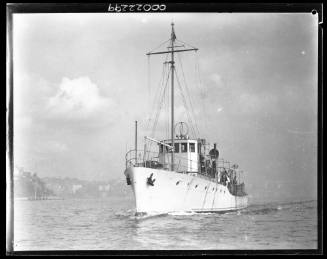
186 154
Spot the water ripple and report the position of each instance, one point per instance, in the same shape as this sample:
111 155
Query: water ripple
107 225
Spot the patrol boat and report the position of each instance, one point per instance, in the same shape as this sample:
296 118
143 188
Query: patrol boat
182 173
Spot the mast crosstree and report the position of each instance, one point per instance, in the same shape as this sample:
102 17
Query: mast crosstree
172 68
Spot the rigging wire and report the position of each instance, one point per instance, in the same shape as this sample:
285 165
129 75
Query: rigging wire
189 96
186 44
160 106
186 106
153 110
161 94
166 105
199 80
158 110
157 94
159 97
190 122
159 46
149 81
201 90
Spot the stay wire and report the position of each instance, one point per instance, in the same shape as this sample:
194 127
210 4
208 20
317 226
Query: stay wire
189 95
186 44
158 109
201 90
160 105
157 93
159 46
186 106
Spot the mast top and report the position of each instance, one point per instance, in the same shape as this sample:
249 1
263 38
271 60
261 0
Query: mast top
173 38
173 35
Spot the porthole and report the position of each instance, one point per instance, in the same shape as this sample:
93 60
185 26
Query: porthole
196 186
177 182
205 187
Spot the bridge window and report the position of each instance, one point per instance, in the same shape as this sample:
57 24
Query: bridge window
176 147
184 147
161 148
192 147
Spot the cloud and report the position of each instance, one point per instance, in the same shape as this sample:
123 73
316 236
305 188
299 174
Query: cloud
78 99
31 92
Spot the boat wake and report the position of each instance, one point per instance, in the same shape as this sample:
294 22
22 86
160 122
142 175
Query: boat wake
255 209
142 216
182 213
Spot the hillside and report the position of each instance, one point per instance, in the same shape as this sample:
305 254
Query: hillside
28 185
76 188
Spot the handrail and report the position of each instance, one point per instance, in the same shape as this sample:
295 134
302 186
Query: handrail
153 160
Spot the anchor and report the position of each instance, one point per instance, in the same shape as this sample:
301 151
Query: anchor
150 181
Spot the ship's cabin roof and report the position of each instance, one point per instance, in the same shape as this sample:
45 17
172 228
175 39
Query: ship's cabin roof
182 145
179 140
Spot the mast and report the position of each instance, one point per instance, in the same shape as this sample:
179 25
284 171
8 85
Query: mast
173 37
172 67
136 141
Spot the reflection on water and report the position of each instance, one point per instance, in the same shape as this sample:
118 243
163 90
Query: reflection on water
111 224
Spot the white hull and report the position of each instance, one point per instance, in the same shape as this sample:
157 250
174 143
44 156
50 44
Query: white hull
192 193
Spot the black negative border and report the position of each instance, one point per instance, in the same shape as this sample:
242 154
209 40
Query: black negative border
13 8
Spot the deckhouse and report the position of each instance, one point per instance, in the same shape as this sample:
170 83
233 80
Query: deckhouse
186 154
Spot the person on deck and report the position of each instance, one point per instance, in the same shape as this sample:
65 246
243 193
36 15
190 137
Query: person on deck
234 180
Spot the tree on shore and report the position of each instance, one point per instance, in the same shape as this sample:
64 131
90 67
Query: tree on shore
29 185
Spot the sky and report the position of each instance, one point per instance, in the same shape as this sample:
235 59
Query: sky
81 81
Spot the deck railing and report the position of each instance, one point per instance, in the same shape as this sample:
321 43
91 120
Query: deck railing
150 159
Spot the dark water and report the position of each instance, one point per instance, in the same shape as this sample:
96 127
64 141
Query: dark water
111 224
